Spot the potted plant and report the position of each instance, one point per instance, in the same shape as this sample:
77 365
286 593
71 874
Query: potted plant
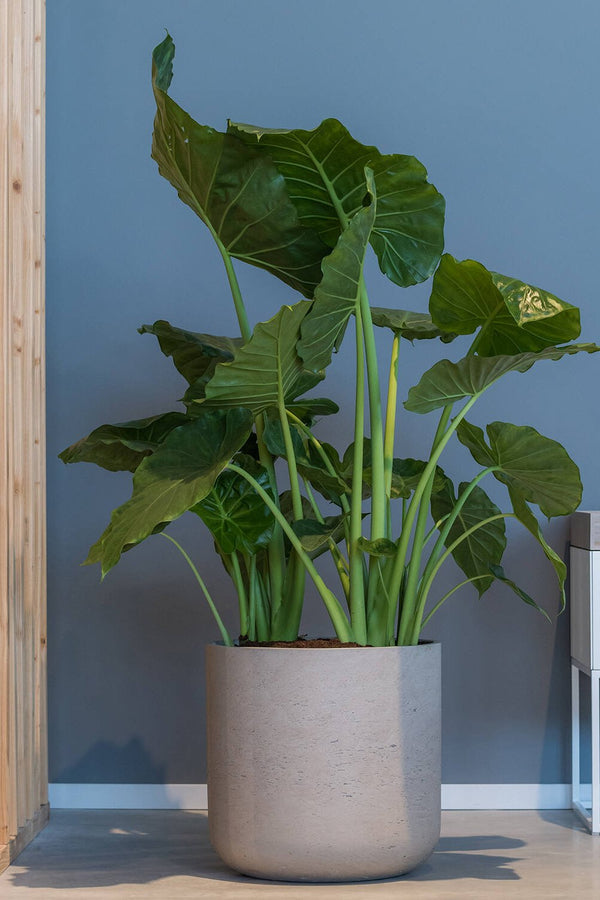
324 756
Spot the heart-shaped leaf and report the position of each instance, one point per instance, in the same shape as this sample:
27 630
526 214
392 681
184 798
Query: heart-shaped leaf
194 355
447 382
236 190
179 473
123 446
234 513
514 317
539 468
485 546
323 170
265 369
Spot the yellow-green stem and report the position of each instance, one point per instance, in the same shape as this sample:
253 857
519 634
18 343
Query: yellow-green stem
390 426
357 581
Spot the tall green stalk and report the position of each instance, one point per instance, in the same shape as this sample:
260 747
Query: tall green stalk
357 583
390 427
342 627
397 569
275 551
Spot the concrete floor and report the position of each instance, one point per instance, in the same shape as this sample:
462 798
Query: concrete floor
154 854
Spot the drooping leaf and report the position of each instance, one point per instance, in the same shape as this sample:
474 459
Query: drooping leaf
194 355
267 364
480 550
527 518
179 473
412 326
324 172
447 382
309 408
338 295
514 317
122 447
233 188
539 468
234 513
500 575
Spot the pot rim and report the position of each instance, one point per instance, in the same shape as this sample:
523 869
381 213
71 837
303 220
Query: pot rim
418 646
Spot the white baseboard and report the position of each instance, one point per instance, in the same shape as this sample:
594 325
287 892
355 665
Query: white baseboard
127 796
193 796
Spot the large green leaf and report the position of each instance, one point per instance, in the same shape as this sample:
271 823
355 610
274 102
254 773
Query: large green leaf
477 552
234 513
179 473
194 355
539 468
233 188
338 295
324 172
513 316
123 446
412 326
447 382
267 365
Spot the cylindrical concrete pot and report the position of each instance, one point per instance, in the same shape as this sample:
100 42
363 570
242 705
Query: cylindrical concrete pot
324 764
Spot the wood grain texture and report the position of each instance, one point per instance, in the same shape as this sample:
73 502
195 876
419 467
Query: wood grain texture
23 745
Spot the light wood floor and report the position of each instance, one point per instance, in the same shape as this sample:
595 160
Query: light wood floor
125 855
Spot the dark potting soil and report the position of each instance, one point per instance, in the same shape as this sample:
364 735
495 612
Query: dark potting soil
310 643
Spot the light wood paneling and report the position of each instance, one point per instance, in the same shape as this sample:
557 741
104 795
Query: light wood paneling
23 746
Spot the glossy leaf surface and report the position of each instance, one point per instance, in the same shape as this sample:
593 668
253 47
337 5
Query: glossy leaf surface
514 317
324 173
236 190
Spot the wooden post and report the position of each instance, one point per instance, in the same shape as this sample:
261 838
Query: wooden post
23 743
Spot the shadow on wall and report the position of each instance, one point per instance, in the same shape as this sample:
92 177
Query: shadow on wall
100 848
127 764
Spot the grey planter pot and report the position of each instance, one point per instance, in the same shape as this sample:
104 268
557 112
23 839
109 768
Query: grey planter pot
324 764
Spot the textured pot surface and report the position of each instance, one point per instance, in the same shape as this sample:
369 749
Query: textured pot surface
324 764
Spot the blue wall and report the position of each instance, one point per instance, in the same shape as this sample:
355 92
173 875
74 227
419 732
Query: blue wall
499 100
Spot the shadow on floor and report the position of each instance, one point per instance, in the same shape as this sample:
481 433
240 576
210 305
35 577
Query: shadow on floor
100 848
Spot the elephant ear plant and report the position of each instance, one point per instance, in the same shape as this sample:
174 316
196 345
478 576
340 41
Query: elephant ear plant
306 206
